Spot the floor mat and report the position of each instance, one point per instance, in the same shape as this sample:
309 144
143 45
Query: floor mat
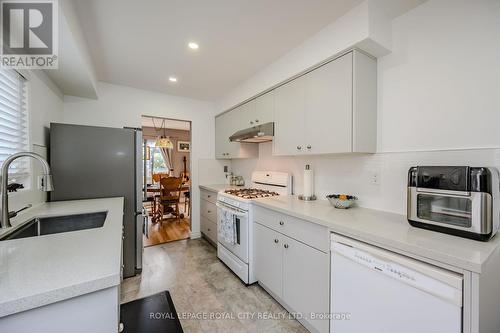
153 314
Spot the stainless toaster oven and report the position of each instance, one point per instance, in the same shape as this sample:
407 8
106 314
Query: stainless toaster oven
458 200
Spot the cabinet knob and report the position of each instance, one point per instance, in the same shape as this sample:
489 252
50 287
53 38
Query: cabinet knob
276 241
309 147
251 123
286 246
208 229
209 211
256 120
282 223
299 147
209 196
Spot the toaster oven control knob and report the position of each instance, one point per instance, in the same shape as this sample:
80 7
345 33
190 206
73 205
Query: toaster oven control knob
309 147
286 246
276 240
299 147
282 223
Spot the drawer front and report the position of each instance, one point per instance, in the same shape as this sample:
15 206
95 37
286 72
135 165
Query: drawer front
312 234
209 228
208 195
208 210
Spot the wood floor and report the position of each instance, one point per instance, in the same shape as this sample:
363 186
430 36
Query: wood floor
168 231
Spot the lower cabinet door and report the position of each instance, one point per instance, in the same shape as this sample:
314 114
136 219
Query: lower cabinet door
268 258
306 286
208 228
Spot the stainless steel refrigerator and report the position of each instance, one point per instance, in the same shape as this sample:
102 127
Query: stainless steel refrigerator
101 162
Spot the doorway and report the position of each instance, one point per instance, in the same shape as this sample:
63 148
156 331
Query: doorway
167 176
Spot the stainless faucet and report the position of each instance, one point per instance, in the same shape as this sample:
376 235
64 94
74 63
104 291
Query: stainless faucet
45 182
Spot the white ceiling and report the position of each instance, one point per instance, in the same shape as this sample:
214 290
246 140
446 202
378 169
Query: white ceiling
141 43
165 123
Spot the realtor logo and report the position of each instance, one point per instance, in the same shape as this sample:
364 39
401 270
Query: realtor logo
29 34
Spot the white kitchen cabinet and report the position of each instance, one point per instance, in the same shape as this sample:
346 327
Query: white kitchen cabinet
305 281
268 259
289 109
328 108
331 109
208 215
256 112
264 109
94 312
295 273
225 126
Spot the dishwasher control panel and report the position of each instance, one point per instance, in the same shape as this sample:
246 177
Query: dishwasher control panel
397 271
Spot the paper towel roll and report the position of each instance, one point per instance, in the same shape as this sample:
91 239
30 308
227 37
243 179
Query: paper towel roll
308 182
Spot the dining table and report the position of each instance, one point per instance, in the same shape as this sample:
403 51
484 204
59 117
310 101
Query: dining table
156 189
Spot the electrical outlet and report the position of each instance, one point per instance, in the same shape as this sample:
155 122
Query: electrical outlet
375 178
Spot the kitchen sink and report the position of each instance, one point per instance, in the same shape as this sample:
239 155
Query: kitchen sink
57 224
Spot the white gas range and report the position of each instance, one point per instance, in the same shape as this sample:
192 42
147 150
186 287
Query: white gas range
235 217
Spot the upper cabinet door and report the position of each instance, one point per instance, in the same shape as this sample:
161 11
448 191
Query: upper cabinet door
328 108
264 109
222 136
289 106
244 116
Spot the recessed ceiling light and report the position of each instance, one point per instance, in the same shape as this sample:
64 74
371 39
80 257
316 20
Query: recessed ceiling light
193 46
172 79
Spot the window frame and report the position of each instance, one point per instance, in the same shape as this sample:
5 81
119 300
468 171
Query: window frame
24 178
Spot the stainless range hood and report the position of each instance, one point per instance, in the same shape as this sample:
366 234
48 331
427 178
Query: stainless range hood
256 134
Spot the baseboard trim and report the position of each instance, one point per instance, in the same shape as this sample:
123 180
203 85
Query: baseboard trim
195 235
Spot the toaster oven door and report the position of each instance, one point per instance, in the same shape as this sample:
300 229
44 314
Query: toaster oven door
465 211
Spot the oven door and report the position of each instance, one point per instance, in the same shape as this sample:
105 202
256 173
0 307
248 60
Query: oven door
464 211
240 218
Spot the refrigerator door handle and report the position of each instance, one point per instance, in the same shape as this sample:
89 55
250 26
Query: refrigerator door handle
139 247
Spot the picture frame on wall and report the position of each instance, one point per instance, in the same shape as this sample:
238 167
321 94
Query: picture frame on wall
183 146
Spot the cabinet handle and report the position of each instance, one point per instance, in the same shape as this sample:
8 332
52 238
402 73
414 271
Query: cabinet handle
286 246
299 147
282 223
276 241
309 147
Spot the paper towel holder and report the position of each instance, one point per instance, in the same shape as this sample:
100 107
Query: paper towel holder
305 197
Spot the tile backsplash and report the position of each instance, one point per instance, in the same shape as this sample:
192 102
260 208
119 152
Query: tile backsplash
354 174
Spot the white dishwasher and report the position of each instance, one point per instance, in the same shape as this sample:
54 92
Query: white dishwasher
378 291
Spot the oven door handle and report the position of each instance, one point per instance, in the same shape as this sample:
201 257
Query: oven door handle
232 210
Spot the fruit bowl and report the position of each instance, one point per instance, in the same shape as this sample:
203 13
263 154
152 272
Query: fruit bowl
341 201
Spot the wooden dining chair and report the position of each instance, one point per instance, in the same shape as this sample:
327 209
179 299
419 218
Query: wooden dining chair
170 196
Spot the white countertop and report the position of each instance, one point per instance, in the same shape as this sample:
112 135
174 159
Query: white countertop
41 270
388 230
219 187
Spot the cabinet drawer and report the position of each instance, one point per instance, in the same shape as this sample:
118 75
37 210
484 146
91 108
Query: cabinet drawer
309 233
209 228
208 195
208 210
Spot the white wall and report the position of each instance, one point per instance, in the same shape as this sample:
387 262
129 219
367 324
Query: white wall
120 106
438 89
437 96
45 105
349 29
353 174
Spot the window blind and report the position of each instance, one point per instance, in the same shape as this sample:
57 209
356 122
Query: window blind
13 122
